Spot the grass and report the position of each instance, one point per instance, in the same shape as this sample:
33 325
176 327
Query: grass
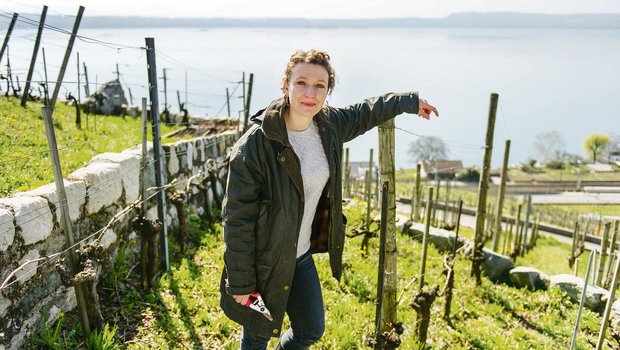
182 312
23 143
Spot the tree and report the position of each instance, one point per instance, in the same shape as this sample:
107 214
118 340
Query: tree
595 144
428 148
549 146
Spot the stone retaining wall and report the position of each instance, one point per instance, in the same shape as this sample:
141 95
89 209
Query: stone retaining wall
30 225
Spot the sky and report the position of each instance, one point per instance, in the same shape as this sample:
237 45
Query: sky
306 9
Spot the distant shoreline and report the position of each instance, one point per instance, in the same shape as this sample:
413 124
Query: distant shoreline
459 20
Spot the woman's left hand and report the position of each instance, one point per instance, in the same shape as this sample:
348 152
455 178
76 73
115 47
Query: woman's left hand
426 109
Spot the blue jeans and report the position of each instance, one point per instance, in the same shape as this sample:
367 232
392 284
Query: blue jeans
304 308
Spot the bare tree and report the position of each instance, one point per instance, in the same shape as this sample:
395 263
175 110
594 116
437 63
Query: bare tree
549 145
428 148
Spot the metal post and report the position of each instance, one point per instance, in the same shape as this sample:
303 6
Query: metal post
65 61
64 214
143 161
583 299
155 129
33 60
47 85
8 35
500 197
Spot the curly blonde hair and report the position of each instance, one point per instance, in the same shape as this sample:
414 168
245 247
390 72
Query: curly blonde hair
311 56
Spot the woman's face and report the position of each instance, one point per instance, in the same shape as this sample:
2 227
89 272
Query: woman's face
307 89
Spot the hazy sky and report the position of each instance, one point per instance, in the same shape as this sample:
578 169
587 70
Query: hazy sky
307 9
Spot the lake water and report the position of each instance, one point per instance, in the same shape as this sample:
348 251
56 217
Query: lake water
564 80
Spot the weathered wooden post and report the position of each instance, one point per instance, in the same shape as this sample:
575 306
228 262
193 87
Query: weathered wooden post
436 201
379 327
61 73
86 86
515 247
346 175
610 301
446 207
33 60
449 268
368 193
612 249
66 220
8 35
386 159
423 299
427 226
500 197
418 193
247 102
526 225
483 188
155 129
602 258
583 299
573 256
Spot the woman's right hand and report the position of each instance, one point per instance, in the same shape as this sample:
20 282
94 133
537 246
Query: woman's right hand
242 299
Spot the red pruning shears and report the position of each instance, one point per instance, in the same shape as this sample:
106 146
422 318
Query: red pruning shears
255 302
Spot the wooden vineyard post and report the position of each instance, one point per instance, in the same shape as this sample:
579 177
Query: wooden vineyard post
610 301
423 299
387 168
482 190
83 314
601 262
418 194
347 175
500 198
61 73
381 272
449 267
368 192
33 60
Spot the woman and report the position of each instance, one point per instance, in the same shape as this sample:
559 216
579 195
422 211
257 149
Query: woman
283 201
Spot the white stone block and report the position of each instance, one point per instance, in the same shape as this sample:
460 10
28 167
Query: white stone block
7 229
203 155
197 148
104 184
76 197
130 172
109 237
190 155
32 215
30 270
4 305
173 161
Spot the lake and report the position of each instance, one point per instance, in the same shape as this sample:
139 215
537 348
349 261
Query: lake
547 79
